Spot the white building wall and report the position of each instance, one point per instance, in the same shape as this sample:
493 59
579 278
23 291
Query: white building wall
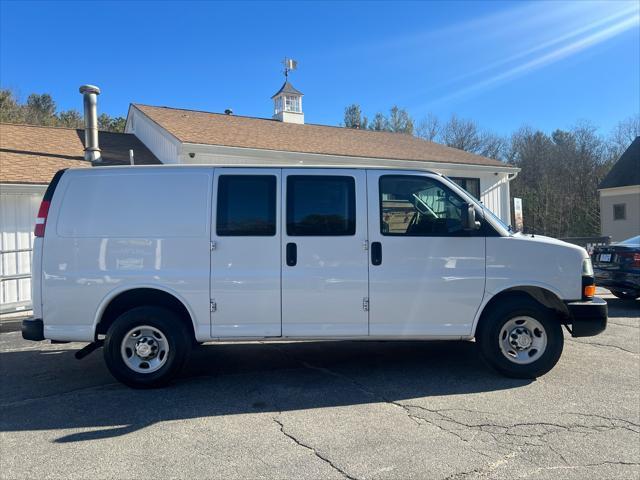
164 146
18 209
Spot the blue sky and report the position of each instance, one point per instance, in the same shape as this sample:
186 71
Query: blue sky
505 64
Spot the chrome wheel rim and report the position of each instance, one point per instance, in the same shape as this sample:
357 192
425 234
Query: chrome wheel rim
144 349
523 340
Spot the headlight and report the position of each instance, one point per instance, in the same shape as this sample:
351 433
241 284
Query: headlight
587 268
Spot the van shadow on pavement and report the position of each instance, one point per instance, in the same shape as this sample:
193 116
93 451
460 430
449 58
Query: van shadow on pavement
49 389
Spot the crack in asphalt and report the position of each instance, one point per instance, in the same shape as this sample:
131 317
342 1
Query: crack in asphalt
606 345
487 471
495 430
313 450
511 430
574 467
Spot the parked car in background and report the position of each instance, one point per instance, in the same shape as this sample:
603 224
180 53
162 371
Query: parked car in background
617 267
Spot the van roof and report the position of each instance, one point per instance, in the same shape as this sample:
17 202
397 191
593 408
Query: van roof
125 168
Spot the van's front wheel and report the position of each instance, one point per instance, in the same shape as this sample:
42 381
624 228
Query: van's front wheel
520 338
146 347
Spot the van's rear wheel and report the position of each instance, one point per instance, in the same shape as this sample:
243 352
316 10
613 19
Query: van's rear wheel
146 347
520 338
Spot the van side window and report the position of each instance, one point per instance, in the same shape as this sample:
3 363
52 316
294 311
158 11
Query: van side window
320 205
246 205
419 207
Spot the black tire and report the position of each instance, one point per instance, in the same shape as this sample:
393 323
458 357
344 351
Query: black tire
489 339
626 295
169 324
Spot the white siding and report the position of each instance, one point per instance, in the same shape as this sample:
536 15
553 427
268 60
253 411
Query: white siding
494 188
162 144
18 209
495 195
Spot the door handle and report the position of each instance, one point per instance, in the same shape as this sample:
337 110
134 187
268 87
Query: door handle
376 253
292 254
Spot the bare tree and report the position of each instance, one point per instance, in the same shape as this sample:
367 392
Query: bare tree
428 128
461 133
622 135
492 145
559 178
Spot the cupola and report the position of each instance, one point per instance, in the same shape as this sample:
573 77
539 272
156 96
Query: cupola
287 102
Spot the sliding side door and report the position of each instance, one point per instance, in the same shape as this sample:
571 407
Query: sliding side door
324 257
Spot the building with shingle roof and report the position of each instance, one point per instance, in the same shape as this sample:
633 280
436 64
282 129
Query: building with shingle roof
620 196
181 136
29 157
31 154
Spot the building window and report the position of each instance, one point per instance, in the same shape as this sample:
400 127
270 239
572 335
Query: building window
620 211
292 103
278 105
471 185
246 205
319 205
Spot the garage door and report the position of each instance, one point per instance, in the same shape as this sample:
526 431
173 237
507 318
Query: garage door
18 208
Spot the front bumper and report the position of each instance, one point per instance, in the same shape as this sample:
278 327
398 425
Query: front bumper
587 318
33 329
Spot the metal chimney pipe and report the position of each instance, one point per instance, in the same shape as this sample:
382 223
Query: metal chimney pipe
91 147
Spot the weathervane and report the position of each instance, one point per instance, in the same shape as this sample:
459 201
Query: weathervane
289 65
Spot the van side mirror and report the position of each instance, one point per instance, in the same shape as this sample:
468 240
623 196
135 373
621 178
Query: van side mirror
469 218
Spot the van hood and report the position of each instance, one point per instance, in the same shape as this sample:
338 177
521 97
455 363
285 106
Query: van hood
551 241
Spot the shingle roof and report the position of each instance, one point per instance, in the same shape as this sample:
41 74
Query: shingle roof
626 170
287 88
190 126
33 154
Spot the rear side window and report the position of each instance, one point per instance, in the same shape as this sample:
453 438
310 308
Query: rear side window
246 205
136 204
320 205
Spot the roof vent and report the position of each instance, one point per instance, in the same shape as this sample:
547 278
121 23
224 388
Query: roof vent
91 147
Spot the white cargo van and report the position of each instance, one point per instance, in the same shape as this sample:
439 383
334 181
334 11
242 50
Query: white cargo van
148 261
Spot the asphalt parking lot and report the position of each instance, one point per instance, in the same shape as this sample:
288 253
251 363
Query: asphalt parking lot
327 410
